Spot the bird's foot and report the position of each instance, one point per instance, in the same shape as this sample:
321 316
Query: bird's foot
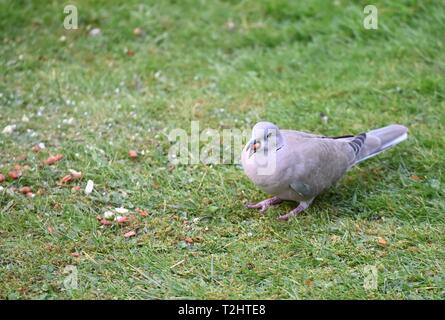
302 206
265 204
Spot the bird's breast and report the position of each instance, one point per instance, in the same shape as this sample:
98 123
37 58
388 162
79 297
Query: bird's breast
270 178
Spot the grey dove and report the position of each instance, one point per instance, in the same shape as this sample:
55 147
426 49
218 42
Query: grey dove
298 166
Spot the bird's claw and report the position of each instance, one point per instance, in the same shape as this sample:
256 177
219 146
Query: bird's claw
284 217
265 204
293 213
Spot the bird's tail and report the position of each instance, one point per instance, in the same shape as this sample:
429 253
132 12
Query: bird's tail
379 140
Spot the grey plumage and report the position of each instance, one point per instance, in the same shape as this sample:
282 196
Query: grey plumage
307 164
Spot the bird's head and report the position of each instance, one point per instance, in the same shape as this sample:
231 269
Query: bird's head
265 137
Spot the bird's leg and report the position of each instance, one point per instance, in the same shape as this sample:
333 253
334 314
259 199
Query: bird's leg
302 206
265 204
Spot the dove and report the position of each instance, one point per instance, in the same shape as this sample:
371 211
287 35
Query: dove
298 166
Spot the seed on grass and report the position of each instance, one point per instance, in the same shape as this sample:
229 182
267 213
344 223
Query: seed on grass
130 53
21 157
130 234
121 210
30 195
53 159
188 240
133 154
72 176
137 31
75 188
95 32
109 215
75 254
66 179
50 229
309 283
25 190
9 129
2 178
89 187
105 222
69 121
121 219
142 213
15 174
38 147
415 178
382 241
75 174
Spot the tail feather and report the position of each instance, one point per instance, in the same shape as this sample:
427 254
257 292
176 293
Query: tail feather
379 140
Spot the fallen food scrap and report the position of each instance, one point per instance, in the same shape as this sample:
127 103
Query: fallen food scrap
129 52
66 179
25 190
109 215
38 147
2 178
105 222
53 159
142 213
95 32
72 176
15 174
90 186
382 242
9 129
130 234
309 283
121 219
75 174
21 157
121 210
133 154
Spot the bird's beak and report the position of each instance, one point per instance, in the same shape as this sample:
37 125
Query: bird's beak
252 147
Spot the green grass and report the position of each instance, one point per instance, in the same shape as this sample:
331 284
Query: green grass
280 61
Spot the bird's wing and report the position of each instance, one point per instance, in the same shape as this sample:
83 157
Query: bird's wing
316 164
300 134
307 135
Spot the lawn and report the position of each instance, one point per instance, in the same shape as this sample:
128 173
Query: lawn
226 64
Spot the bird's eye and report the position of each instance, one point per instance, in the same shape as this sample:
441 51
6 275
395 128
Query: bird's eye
269 134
